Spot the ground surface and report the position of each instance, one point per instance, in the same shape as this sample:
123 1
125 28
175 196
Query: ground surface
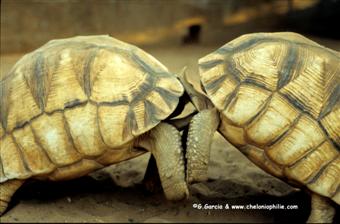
101 197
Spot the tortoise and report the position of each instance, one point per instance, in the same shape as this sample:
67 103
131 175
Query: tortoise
78 104
275 97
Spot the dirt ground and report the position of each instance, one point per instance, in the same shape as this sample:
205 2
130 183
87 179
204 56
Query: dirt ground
115 194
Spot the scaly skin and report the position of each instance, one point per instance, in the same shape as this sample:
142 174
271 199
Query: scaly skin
164 142
7 189
201 131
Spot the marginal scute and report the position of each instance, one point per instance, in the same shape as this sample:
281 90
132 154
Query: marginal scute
310 165
34 156
328 182
78 169
331 123
115 77
234 134
244 106
257 156
276 119
118 155
303 137
113 120
20 102
261 64
50 132
12 162
84 129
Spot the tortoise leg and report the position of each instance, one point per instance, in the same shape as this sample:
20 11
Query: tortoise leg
164 142
201 131
322 210
7 189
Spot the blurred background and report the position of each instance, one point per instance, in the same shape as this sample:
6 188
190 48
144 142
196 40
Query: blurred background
178 33
27 24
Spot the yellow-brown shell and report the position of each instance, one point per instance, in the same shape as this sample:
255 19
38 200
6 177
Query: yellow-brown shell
278 96
76 101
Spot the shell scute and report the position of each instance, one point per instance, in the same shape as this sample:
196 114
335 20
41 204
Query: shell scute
276 119
84 130
35 157
50 132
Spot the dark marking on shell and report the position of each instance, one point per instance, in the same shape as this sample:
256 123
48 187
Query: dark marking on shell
144 89
20 124
224 50
295 102
251 81
38 80
285 133
72 103
130 124
144 66
285 73
150 113
321 170
210 64
69 135
333 100
250 42
336 144
87 71
112 103
263 109
231 68
97 123
21 154
24 123
231 97
4 94
244 45
214 85
202 87
168 97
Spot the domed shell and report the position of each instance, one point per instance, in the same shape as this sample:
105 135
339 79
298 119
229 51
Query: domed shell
278 94
95 90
